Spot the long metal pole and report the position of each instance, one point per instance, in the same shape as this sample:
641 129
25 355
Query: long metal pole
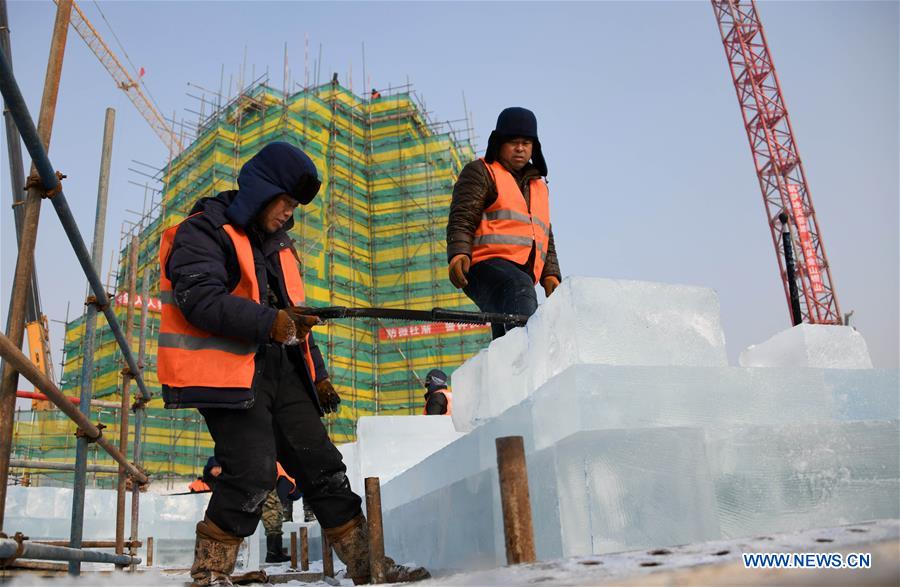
39 138
126 396
35 550
27 464
17 171
13 96
139 412
76 530
23 365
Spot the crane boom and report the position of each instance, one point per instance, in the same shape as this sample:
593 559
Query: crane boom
124 81
779 169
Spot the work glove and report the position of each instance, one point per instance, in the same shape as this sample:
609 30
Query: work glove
550 284
284 329
303 322
459 267
328 397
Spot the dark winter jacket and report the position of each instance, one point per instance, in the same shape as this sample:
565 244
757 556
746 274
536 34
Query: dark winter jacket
435 403
473 193
203 268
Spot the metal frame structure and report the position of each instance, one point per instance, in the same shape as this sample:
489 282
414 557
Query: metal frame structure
47 184
778 165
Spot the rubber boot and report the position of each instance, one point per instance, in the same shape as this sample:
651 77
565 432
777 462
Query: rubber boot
351 543
215 553
274 553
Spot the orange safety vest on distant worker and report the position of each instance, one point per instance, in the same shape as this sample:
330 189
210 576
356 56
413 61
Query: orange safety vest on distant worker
449 396
282 473
190 357
198 486
508 230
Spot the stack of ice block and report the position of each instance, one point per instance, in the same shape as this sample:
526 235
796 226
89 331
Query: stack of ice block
640 435
811 345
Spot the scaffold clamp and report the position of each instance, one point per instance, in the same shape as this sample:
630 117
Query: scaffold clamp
79 433
20 548
34 181
92 300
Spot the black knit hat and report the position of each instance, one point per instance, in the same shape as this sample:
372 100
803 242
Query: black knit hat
435 380
512 123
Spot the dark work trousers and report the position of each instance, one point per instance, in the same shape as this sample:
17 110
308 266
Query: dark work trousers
498 285
284 424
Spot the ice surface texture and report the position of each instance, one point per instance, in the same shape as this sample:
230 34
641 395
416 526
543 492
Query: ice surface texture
811 345
590 321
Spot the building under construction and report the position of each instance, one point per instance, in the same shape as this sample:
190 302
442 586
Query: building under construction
373 237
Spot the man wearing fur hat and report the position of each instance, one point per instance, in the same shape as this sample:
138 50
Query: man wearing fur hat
499 240
234 343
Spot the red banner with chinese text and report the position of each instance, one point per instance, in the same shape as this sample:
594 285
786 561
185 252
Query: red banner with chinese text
426 329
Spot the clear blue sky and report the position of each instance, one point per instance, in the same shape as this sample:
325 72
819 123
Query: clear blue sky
650 170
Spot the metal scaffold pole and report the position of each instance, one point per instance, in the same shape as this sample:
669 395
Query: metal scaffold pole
37 139
90 323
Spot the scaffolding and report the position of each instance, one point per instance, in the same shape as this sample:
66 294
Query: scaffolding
373 237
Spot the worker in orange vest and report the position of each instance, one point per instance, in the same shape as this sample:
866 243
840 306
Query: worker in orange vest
438 399
499 238
211 470
235 343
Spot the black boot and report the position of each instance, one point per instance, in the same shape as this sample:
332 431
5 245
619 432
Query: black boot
274 554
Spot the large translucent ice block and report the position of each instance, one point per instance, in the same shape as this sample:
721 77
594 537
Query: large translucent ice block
470 400
452 528
811 345
466 456
783 478
625 489
388 445
45 512
590 321
597 397
593 492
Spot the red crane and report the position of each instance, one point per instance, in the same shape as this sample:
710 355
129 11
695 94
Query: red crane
778 164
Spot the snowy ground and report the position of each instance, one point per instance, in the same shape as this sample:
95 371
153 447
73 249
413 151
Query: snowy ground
881 538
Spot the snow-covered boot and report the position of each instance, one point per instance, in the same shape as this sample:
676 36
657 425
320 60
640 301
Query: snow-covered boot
274 554
351 543
215 553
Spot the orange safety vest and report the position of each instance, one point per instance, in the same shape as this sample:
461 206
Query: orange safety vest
198 486
449 396
190 357
508 229
282 473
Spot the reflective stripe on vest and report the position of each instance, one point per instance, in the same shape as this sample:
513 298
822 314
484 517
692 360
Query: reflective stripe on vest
190 357
507 229
280 472
449 396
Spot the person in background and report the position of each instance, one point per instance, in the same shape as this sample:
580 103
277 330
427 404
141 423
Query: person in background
438 399
274 513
